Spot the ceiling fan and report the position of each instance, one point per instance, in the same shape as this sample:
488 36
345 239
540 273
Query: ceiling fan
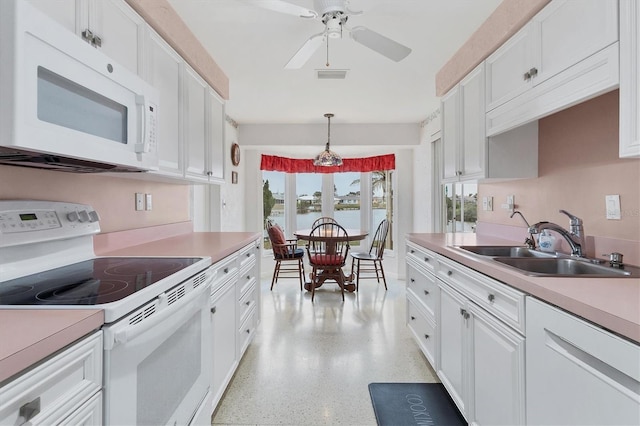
334 14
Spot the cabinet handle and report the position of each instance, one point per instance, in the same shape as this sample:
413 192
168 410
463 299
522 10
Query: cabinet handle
213 310
413 318
533 72
426 336
464 313
413 251
30 410
412 280
209 173
491 298
426 259
248 277
426 292
449 272
248 254
247 302
226 270
527 76
248 330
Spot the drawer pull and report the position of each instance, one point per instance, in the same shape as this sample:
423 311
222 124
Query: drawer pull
412 318
29 410
426 292
491 298
213 310
449 273
248 330
426 259
412 280
426 336
248 302
226 270
464 313
413 251
248 277
248 254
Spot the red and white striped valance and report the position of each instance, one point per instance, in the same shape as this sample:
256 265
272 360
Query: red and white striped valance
299 165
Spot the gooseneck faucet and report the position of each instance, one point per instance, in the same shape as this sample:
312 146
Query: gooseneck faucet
529 241
574 236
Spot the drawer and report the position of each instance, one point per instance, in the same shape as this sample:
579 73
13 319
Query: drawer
58 386
247 256
502 301
223 271
246 332
247 302
421 257
423 330
423 286
245 281
89 414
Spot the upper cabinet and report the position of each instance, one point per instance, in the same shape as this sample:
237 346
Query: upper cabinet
467 152
629 78
566 54
109 25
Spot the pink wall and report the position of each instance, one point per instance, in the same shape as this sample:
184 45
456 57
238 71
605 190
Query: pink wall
578 165
112 197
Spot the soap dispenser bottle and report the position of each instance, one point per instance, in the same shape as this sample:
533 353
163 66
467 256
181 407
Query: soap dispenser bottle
546 241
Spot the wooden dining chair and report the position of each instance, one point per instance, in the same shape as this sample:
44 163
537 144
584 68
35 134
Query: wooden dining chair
373 258
327 251
286 254
323 219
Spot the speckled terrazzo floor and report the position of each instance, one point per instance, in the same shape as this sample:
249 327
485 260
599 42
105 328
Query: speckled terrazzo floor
311 363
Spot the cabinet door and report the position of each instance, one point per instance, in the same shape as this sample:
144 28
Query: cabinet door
450 133
223 318
473 141
506 68
451 325
629 80
67 13
567 32
496 371
121 31
216 147
164 72
195 125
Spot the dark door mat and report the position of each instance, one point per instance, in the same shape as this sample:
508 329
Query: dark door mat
413 404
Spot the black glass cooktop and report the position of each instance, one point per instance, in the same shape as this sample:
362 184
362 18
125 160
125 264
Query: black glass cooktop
91 282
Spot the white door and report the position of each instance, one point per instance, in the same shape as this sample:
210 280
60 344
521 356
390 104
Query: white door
450 133
474 146
195 129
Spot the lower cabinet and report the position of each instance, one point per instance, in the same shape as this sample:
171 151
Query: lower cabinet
578 373
64 389
235 299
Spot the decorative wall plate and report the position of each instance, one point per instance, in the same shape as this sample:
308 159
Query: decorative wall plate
235 154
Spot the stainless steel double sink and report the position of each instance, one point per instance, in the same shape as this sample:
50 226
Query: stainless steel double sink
538 263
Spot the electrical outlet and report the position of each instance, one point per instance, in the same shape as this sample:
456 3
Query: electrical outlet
490 204
139 201
485 201
148 202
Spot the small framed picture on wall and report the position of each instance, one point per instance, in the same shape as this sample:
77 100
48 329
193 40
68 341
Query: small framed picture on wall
234 177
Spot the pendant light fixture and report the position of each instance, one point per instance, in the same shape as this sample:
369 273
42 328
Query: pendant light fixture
328 157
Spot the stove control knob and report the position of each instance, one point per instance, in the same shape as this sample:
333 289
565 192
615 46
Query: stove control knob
83 216
73 216
93 216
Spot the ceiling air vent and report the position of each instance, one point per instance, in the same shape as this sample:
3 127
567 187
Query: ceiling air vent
331 74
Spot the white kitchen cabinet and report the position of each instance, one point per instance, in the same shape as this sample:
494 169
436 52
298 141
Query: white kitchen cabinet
64 389
578 373
235 300
463 134
629 78
110 25
467 153
480 326
421 299
203 133
164 72
566 54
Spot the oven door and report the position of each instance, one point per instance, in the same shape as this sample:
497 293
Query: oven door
158 364
70 99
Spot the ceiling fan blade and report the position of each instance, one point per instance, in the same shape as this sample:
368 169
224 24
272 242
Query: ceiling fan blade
381 44
283 7
304 53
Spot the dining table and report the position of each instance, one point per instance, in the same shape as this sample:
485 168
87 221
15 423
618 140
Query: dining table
352 235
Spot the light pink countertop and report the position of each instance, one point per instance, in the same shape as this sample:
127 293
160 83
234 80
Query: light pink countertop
28 336
613 303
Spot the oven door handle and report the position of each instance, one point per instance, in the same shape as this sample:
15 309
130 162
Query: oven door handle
123 332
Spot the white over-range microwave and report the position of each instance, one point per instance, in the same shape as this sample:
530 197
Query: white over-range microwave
65 105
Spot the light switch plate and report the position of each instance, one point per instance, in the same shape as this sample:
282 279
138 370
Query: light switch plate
139 201
148 202
613 206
